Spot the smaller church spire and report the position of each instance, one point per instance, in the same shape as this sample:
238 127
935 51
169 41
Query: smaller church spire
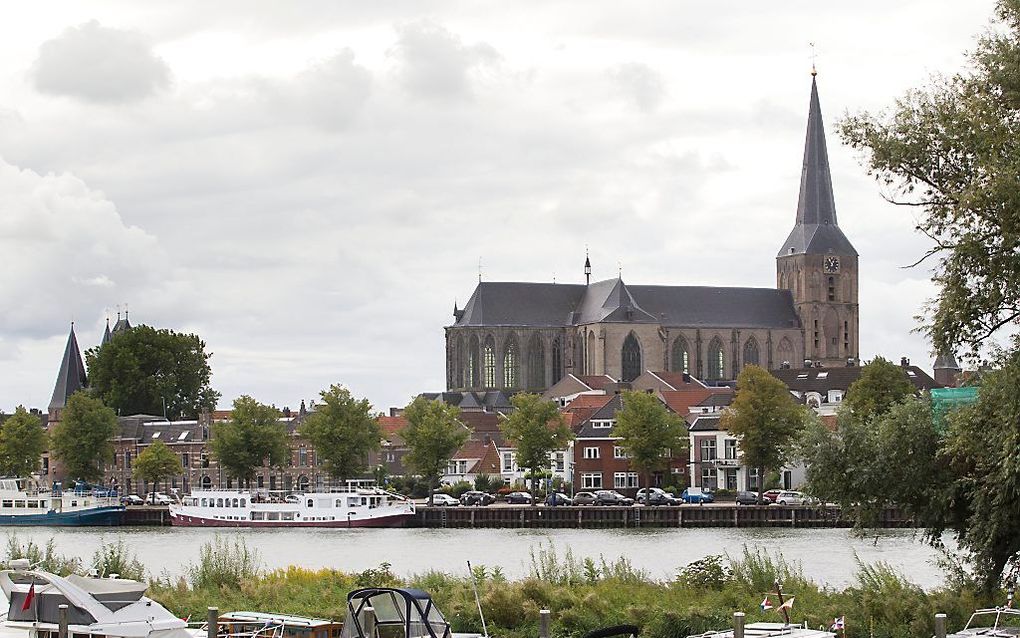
587 268
70 377
106 333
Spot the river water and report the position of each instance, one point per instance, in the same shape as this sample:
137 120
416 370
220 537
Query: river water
827 556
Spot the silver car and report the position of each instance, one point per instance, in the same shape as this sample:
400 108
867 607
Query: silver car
791 498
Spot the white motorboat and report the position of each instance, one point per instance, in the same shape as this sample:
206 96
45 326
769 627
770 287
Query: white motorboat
101 607
355 507
995 622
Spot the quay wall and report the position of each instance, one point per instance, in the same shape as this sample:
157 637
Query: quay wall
680 516
524 516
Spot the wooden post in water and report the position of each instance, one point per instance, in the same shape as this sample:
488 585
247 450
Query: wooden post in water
738 624
940 626
543 623
212 622
61 620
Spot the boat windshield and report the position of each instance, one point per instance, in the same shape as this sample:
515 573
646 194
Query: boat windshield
394 613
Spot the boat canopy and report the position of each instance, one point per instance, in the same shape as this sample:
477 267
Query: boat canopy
397 612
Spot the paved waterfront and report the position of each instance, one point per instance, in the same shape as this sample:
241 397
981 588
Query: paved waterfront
827 555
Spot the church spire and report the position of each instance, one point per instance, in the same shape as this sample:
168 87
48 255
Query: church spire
816 230
70 377
587 268
106 333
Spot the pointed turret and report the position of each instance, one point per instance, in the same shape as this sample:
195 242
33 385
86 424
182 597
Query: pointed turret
947 370
106 333
122 323
70 378
816 230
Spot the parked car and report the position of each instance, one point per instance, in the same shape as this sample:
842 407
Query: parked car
611 497
791 498
584 498
132 499
558 498
519 498
656 496
158 498
442 499
751 498
772 494
697 495
475 497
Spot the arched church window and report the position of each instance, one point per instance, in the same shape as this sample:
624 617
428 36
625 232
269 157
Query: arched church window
751 356
557 360
473 363
680 356
589 354
510 363
631 358
536 363
832 289
489 362
716 360
458 362
785 351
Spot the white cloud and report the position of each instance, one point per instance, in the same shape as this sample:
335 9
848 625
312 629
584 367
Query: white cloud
66 252
640 84
436 63
99 64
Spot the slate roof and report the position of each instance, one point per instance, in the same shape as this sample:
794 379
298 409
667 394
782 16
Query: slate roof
677 380
946 361
71 376
559 305
816 230
595 381
605 413
122 323
821 380
707 423
490 401
106 334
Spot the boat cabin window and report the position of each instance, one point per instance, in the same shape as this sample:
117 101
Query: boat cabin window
309 503
257 516
272 516
8 503
219 502
288 516
205 502
235 502
339 502
352 501
19 503
244 502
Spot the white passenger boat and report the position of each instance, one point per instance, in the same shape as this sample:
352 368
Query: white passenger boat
24 502
100 607
355 507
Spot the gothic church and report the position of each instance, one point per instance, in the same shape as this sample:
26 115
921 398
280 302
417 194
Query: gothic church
526 336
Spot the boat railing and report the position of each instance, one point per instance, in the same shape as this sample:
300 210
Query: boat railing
999 612
268 630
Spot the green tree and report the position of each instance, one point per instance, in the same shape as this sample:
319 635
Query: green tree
22 442
140 369
156 463
766 421
881 385
536 429
949 153
433 435
83 440
649 432
343 431
253 437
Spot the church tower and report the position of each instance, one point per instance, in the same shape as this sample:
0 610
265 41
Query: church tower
817 263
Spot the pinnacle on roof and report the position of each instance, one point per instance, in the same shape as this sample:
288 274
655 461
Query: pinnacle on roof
122 323
816 230
106 333
71 377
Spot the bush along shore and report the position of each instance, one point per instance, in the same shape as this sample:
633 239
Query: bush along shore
582 593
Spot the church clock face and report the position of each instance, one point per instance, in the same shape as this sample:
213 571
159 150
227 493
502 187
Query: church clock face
832 264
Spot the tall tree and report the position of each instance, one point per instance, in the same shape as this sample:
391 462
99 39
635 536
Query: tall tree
83 440
949 153
156 463
649 432
766 421
343 431
881 385
537 429
22 443
142 369
253 437
433 435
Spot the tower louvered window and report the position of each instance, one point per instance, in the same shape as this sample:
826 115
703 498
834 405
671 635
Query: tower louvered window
631 358
751 356
489 362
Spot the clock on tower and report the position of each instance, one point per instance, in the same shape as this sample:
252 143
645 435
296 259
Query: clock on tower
831 264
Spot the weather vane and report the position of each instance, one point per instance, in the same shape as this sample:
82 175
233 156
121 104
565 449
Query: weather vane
814 58
479 270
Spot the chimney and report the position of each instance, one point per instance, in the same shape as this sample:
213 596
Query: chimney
904 362
286 412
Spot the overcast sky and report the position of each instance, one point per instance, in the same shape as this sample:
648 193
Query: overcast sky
309 185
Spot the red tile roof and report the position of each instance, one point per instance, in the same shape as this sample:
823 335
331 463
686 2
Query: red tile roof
681 401
584 401
489 463
596 381
676 379
471 450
